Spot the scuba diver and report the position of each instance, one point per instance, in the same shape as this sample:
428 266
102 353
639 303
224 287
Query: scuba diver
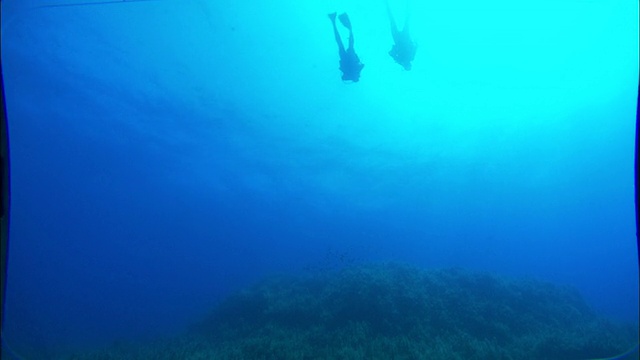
350 64
404 49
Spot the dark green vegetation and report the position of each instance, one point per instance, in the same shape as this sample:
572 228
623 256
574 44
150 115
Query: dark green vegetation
395 312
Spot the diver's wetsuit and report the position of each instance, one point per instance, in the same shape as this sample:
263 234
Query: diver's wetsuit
350 64
404 49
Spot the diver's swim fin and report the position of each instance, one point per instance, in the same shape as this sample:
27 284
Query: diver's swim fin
344 19
332 16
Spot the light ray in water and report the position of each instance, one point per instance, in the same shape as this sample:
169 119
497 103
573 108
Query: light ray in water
625 355
85 3
6 23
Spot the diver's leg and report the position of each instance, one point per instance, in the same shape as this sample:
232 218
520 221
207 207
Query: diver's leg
406 19
351 40
392 21
336 34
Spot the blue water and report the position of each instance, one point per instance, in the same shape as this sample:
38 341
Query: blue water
165 154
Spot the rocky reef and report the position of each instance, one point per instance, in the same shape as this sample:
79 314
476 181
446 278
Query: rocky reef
394 312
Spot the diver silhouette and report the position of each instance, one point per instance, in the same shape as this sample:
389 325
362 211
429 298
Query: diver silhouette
404 49
350 64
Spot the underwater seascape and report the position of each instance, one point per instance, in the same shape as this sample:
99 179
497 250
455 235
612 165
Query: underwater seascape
306 180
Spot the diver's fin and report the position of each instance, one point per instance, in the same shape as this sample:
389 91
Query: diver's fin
344 19
332 16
